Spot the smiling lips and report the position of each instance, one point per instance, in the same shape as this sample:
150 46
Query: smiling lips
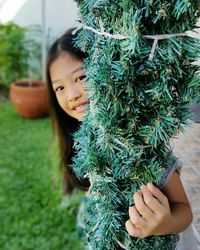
81 107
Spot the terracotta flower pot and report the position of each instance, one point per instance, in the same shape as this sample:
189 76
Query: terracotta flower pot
30 98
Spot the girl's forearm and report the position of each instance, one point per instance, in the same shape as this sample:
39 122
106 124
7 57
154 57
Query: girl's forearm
181 218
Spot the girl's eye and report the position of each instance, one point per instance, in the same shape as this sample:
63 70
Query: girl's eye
59 88
80 78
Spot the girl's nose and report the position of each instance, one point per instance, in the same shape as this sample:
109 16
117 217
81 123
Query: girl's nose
73 94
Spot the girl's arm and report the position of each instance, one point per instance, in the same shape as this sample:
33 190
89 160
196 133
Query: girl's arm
160 213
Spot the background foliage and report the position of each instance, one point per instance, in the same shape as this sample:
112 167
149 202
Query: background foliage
20 53
33 213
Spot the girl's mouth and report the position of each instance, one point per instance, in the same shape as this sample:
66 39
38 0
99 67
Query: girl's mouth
80 108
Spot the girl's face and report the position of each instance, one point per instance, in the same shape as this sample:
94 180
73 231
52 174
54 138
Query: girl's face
67 77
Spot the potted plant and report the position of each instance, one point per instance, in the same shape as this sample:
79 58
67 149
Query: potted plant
30 98
20 59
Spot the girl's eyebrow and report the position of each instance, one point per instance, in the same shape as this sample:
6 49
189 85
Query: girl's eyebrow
56 81
73 72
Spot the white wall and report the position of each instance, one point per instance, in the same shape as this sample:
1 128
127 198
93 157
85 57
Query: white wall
60 15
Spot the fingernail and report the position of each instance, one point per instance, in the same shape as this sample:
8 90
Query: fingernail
142 186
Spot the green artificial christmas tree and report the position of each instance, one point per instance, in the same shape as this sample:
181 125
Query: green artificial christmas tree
141 82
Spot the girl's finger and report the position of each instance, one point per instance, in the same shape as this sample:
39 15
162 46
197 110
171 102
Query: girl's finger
158 194
132 230
135 218
140 205
151 201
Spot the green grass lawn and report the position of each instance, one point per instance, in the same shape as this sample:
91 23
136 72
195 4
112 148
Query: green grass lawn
33 215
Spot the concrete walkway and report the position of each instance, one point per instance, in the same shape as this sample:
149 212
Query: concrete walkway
187 148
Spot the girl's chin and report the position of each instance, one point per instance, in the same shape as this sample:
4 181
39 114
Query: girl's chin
81 115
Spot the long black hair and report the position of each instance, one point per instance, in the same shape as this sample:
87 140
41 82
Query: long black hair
64 125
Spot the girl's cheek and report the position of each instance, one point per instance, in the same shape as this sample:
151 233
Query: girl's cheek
61 102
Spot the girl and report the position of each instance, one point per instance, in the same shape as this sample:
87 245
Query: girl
156 211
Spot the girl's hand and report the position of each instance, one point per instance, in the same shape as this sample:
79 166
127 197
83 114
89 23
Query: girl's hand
150 214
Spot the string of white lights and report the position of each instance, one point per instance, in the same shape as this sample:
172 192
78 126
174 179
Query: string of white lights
156 38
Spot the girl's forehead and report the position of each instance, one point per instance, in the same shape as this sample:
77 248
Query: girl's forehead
68 59
65 64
